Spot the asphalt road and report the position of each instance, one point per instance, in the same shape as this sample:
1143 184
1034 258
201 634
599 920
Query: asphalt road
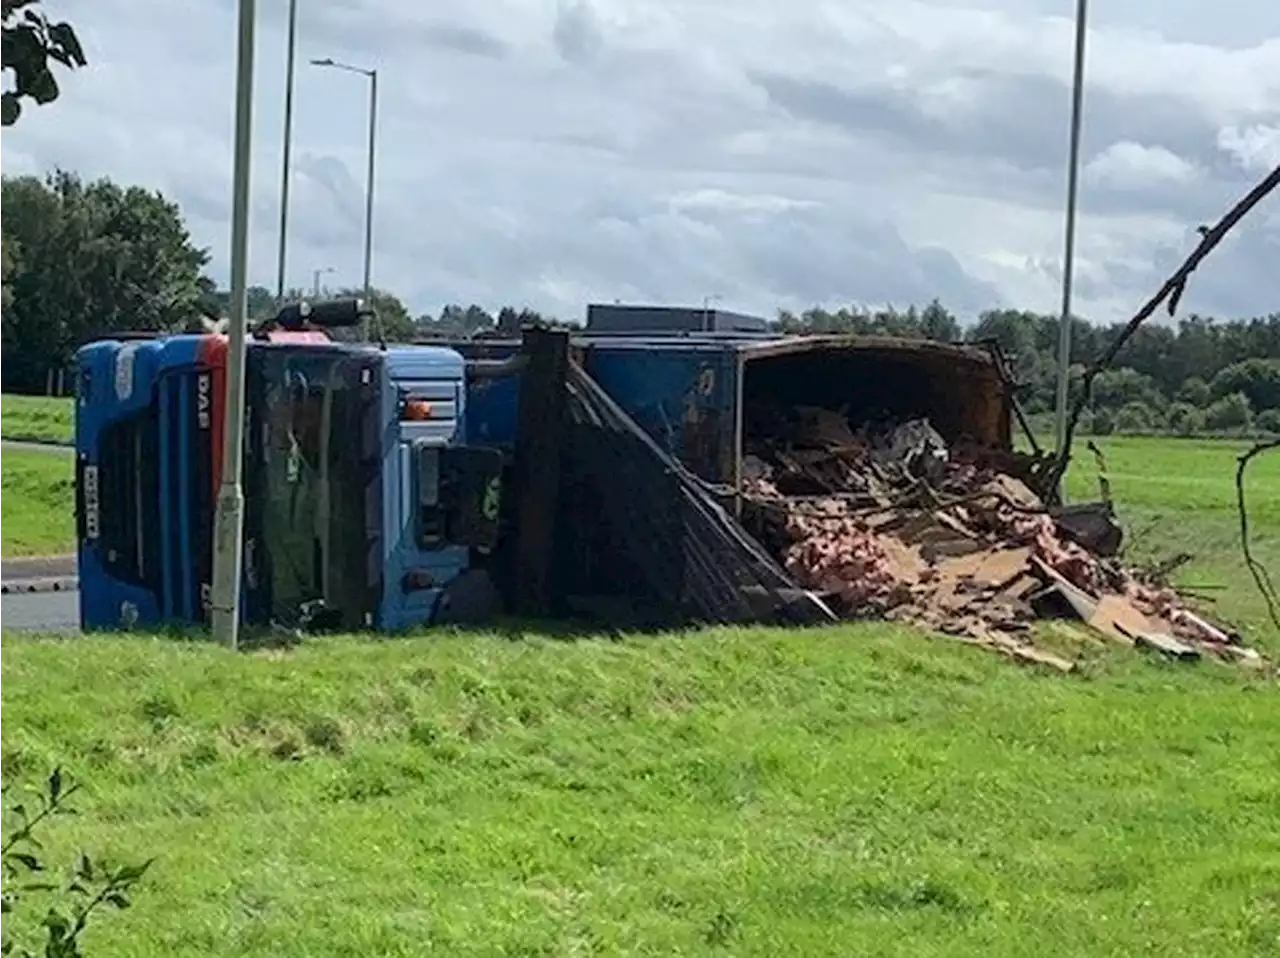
40 612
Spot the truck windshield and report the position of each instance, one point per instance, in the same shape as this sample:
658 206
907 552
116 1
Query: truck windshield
313 461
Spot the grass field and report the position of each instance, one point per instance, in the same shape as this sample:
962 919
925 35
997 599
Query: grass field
851 791
1179 495
37 504
36 418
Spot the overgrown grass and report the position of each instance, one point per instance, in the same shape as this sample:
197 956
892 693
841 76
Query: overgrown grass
38 418
849 791
37 504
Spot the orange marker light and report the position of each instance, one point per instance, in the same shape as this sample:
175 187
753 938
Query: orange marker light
416 410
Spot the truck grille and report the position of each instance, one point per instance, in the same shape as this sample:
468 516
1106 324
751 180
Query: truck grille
130 510
185 493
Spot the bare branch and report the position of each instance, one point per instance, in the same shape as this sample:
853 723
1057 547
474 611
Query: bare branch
1171 291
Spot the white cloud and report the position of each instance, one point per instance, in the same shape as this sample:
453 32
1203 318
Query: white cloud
553 151
1127 165
1255 148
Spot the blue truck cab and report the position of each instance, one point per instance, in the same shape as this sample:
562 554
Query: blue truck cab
364 503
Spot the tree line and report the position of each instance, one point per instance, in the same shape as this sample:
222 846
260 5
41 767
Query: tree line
85 260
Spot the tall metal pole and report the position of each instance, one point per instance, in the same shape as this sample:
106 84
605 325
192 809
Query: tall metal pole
1069 254
286 150
228 543
368 194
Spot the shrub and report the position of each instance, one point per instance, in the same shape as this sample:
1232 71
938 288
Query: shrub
1135 417
1269 421
1229 412
68 903
1195 392
1103 422
1185 419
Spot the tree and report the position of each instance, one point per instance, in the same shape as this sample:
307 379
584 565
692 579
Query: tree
938 324
1257 379
1134 417
396 324
93 259
1229 412
1195 391
1185 419
1116 388
1268 421
8 262
30 41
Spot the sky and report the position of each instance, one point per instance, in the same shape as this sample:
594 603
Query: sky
750 153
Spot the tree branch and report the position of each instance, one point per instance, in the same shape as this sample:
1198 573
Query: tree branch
1171 291
1261 577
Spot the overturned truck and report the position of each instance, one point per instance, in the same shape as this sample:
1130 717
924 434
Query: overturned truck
654 469
733 477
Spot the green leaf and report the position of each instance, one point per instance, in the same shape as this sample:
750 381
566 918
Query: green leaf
131 873
63 36
57 924
26 858
119 899
10 109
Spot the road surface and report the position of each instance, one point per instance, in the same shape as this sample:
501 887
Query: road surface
10 446
40 611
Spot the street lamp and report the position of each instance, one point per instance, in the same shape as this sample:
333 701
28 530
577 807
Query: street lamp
1069 254
315 281
228 546
368 196
291 49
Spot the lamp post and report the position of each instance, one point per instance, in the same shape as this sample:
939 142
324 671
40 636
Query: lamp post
228 544
315 281
368 193
291 48
1069 254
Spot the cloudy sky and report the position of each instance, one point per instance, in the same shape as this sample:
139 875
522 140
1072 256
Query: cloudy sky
553 152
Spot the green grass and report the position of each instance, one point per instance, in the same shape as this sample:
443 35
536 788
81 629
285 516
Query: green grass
1179 495
37 504
849 791
37 418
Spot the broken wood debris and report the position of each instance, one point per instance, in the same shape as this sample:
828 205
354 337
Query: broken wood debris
889 521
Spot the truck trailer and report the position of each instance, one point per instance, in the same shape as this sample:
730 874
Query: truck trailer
394 486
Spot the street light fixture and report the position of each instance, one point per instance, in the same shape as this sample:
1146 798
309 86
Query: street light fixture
315 284
228 544
368 197
1069 254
